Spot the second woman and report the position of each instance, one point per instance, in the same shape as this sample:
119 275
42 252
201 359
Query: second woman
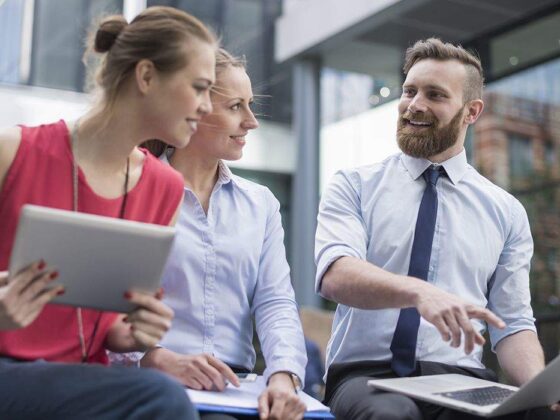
229 264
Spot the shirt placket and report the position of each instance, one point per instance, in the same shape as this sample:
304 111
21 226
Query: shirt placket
209 283
210 277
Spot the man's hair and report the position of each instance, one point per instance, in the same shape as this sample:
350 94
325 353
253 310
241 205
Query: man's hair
436 49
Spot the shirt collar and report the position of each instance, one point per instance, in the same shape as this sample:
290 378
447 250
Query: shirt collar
225 176
455 167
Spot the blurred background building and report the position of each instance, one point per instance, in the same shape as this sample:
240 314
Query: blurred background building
328 74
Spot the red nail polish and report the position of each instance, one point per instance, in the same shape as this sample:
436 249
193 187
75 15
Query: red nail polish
125 319
53 275
127 295
61 292
42 264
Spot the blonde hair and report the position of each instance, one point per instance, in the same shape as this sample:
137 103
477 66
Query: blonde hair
224 60
436 49
158 34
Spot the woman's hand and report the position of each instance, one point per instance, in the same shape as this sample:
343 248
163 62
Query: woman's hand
198 371
24 295
279 401
150 320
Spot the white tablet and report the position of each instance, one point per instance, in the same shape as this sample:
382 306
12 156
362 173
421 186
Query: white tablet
98 258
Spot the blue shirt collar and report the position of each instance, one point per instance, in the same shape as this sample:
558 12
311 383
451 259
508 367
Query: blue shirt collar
225 176
455 167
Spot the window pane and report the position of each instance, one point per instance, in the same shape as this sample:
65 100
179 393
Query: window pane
11 16
526 45
59 32
516 144
520 158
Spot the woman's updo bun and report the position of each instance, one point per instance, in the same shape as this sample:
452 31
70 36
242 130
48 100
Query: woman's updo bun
107 33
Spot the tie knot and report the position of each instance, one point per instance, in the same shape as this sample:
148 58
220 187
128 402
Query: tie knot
432 173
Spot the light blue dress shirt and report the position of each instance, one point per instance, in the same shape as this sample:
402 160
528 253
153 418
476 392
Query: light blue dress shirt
226 267
481 252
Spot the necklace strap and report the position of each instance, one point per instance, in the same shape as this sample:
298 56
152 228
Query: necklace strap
74 138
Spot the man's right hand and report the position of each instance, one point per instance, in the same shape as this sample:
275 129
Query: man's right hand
451 316
200 371
24 295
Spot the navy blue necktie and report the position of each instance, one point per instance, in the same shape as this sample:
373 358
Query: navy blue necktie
403 345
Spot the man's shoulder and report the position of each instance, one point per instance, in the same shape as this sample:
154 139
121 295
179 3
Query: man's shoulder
372 171
491 191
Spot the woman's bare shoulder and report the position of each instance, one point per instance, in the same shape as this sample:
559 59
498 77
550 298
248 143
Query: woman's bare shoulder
10 139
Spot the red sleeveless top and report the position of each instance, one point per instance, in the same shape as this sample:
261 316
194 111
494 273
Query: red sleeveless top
41 174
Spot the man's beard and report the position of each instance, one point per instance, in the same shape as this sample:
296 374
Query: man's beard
429 141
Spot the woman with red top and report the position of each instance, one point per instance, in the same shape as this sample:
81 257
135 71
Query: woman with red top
154 77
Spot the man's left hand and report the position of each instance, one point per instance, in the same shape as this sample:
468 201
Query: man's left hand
279 401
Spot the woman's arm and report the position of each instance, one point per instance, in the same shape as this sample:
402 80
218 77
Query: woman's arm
274 305
22 295
278 324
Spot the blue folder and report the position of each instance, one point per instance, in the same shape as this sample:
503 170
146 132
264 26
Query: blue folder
207 408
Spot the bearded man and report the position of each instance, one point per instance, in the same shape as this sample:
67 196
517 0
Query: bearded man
422 254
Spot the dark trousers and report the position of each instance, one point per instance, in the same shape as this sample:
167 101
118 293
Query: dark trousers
350 398
42 390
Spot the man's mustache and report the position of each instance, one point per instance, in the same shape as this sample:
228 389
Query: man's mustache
419 117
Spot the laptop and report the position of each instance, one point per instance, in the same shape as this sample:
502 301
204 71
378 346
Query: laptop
477 396
98 258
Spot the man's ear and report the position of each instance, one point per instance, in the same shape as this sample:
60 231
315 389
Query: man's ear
145 75
474 109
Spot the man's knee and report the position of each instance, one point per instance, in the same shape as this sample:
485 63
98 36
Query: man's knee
386 406
354 400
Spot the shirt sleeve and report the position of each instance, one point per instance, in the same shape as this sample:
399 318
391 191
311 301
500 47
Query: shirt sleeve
509 296
125 359
341 230
274 306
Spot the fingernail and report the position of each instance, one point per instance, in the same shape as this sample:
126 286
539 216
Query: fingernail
159 292
125 319
127 295
132 328
61 292
53 275
42 264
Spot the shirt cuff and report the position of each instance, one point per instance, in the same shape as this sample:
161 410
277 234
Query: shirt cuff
327 259
285 367
131 359
497 335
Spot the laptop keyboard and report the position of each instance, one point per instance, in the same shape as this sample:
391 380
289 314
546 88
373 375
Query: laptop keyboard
480 396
